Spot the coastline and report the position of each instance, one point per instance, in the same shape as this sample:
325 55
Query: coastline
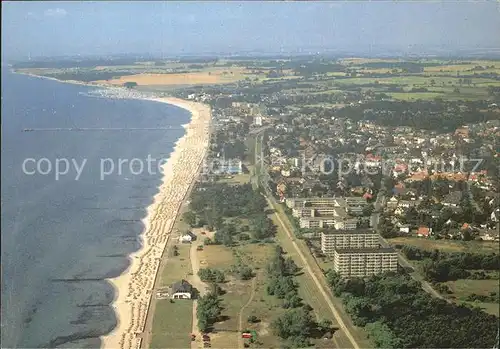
72 82
134 286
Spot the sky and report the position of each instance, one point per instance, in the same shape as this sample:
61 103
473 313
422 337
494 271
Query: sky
45 28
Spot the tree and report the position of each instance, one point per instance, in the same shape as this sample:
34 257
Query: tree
189 218
130 84
297 322
368 210
382 335
252 319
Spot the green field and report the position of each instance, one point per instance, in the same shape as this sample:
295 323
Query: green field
464 288
246 297
448 245
172 323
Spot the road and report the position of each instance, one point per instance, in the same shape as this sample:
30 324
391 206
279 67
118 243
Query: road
263 179
195 280
403 262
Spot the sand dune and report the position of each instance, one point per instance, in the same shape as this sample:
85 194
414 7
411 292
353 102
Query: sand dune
133 288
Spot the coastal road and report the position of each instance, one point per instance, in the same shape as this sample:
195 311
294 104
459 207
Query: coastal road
311 270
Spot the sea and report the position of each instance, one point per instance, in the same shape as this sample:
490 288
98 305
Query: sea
71 214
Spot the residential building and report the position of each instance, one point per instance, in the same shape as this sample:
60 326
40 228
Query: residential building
187 237
316 222
305 202
364 262
343 239
321 211
346 224
181 290
424 232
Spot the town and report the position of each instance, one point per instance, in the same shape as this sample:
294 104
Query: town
343 202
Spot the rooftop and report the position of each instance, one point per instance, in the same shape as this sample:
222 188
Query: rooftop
349 232
364 250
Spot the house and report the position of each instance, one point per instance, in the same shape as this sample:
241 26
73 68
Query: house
181 290
490 235
392 203
424 232
404 229
452 199
187 237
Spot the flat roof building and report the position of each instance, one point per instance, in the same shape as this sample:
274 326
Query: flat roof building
342 239
364 262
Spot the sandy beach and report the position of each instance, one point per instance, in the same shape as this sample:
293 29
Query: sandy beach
133 287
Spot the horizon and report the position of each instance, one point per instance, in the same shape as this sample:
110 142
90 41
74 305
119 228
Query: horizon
160 29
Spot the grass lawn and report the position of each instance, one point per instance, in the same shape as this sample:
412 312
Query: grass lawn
239 293
242 178
463 288
409 96
178 267
172 324
448 245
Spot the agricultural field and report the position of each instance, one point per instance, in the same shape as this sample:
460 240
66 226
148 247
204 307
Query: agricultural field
209 76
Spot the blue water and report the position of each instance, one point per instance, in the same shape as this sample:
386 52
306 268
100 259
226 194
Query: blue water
62 237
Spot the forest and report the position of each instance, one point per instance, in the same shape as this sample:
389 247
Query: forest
441 266
397 313
219 205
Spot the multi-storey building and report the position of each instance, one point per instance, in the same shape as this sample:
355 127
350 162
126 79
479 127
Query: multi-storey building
318 211
343 239
364 262
316 222
346 224
311 202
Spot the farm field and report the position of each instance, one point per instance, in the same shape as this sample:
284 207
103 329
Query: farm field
191 78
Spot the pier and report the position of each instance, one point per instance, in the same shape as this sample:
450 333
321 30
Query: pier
81 129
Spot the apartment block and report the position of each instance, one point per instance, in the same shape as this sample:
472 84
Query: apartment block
346 224
318 211
316 222
311 202
345 239
364 262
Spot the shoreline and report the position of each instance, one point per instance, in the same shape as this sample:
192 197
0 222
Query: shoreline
133 288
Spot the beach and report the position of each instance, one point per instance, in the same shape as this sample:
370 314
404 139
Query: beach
133 288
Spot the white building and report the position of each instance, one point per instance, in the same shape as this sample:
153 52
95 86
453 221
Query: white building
187 237
181 290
